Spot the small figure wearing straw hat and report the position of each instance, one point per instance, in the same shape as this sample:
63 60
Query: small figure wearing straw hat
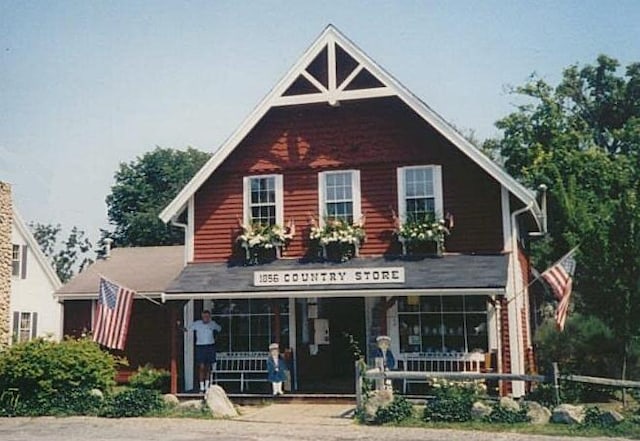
384 352
276 367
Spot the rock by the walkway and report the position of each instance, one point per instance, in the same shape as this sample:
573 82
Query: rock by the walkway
220 405
568 414
190 404
611 417
509 404
170 400
480 410
96 393
377 399
537 413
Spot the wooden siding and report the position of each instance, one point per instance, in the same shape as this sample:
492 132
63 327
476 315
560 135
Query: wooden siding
148 337
373 136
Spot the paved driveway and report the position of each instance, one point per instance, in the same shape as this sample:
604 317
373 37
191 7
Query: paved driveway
272 423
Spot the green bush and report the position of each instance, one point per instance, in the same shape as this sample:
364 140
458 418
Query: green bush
146 377
594 417
452 401
399 410
504 415
132 402
42 377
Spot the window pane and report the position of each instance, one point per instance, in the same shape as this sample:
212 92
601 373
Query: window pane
263 201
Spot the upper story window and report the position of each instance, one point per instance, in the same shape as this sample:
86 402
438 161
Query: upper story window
16 261
263 202
339 195
419 192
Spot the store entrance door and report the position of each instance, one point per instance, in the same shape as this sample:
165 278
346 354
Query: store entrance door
330 367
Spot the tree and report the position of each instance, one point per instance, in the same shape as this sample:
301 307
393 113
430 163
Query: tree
66 257
142 188
582 139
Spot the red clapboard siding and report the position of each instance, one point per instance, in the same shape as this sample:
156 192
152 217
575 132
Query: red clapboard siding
374 136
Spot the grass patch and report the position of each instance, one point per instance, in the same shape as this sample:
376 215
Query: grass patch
183 412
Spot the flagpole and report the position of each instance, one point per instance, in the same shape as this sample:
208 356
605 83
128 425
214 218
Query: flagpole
136 292
539 275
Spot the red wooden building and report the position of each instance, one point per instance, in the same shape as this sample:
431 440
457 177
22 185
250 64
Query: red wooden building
338 139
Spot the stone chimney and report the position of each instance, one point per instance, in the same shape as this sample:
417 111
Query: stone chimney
6 217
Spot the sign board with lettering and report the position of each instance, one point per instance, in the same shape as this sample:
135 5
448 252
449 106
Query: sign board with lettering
329 276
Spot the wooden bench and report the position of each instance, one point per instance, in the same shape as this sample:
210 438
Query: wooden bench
243 367
439 362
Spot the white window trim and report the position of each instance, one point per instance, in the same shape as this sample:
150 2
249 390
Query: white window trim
437 190
279 188
355 194
19 260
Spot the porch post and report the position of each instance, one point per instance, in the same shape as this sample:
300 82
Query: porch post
173 326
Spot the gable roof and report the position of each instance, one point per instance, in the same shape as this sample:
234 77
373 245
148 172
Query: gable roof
33 245
147 270
308 82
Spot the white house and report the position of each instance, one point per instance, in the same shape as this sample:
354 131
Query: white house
34 312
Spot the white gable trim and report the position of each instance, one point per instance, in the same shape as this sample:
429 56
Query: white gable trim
332 95
33 246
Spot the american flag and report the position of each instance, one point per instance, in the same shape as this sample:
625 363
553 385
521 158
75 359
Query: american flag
560 278
112 315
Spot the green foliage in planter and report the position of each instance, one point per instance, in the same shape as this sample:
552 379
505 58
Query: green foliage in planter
133 402
399 410
147 377
504 415
452 401
42 377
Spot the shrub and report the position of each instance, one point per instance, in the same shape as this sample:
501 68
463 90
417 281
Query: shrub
132 402
594 417
146 377
399 410
452 401
504 415
42 377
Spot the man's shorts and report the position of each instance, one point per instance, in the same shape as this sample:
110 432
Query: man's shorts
205 354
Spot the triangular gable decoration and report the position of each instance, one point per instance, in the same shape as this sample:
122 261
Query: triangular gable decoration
331 76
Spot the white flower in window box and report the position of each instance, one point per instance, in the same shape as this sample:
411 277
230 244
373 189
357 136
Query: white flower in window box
258 241
416 235
338 239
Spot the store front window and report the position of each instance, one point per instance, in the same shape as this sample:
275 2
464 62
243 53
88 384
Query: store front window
443 324
250 325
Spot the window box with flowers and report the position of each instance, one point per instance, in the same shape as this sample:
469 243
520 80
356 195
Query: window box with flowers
423 235
264 243
337 240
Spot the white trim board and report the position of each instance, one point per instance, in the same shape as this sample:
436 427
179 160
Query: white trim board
328 38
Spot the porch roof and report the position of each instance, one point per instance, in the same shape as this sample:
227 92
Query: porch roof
452 274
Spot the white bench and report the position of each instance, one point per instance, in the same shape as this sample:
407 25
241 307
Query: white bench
439 362
243 367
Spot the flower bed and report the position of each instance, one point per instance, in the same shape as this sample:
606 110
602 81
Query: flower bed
263 243
425 235
338 239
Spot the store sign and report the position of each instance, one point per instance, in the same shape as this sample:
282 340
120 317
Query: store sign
342 276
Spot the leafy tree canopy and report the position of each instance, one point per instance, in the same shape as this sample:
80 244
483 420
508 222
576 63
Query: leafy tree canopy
582 139
66 256
142 188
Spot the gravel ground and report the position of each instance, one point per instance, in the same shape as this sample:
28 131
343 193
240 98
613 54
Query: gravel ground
272 423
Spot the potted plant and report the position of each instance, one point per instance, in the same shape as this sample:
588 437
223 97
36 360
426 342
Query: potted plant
423 235
338 239
263 243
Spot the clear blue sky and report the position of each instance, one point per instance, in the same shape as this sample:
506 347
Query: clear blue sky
85 85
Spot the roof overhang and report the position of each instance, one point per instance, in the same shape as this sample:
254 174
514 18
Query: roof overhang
332 94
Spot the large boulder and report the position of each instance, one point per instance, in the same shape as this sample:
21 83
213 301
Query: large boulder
170 400
480 410
509 403
190 404
610 417
537 413
377 399
568 414
220 405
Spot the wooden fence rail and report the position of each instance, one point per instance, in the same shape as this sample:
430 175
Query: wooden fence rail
380 375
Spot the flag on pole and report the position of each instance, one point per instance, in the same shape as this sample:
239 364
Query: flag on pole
112 314
560 277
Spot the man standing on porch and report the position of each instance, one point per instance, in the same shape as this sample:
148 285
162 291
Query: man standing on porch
205 354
